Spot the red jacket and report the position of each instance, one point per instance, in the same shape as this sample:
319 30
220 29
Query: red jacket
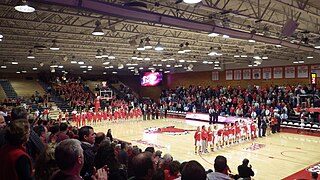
204 135
197 136
8 158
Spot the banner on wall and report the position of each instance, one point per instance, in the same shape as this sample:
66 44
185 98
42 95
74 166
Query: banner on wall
215 76
302 71
256 73
290 72
315 69
278 72
229 74
266 73
237 74
246 73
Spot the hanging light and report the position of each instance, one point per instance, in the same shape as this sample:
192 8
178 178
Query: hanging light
159 46
134 56
139 56
34 68
181 50
191 1
278 45
1 36
147 45
187 48
24 7
54 46
141 46
30 55
98 30
3 67
104 53
111 56
98 55
251 40
14 62
213 34
317 45
147 58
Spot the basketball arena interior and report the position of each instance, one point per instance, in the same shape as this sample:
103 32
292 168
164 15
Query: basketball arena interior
159 89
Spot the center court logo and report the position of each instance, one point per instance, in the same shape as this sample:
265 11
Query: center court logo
172 130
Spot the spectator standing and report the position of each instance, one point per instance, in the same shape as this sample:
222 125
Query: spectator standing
221 169
15 162
245 170
87 138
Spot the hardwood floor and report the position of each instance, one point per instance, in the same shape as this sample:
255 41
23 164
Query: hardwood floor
273 157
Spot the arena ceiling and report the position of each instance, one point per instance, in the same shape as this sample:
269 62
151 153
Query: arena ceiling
173 23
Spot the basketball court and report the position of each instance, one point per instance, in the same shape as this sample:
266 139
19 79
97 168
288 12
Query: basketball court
273 157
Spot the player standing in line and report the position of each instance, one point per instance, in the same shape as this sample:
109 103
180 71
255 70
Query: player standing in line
204 139
215 137
225 135
66 115
197 143
210 139
237 127
220 138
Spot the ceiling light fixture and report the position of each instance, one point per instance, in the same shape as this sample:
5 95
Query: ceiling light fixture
147 45
134 56
243 56
251 40
54 46
140 58
34 68
98 55
159 46
181 50
213 34
104 53
111 56
226 36
80 62
309 57
187 48
1 36
141 46
278 46
98 30
24 7
74 62
30 55
191 1
3 67
317 45
14 62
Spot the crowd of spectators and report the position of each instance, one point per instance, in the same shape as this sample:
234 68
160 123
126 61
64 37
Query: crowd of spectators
41 150
236 101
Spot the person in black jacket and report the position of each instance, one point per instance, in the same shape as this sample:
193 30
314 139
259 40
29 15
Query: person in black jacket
87 138
244 170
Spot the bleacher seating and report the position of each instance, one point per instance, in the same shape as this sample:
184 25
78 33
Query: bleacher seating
8 89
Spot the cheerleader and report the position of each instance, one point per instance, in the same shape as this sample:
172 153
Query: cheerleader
66 115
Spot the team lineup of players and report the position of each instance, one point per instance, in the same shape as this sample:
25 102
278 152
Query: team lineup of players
118 110
231 133
91 117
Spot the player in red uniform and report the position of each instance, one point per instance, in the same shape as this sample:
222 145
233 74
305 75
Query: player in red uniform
220 141
66 115
197 143
83 117
90 116
60 116
210 138
204 139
